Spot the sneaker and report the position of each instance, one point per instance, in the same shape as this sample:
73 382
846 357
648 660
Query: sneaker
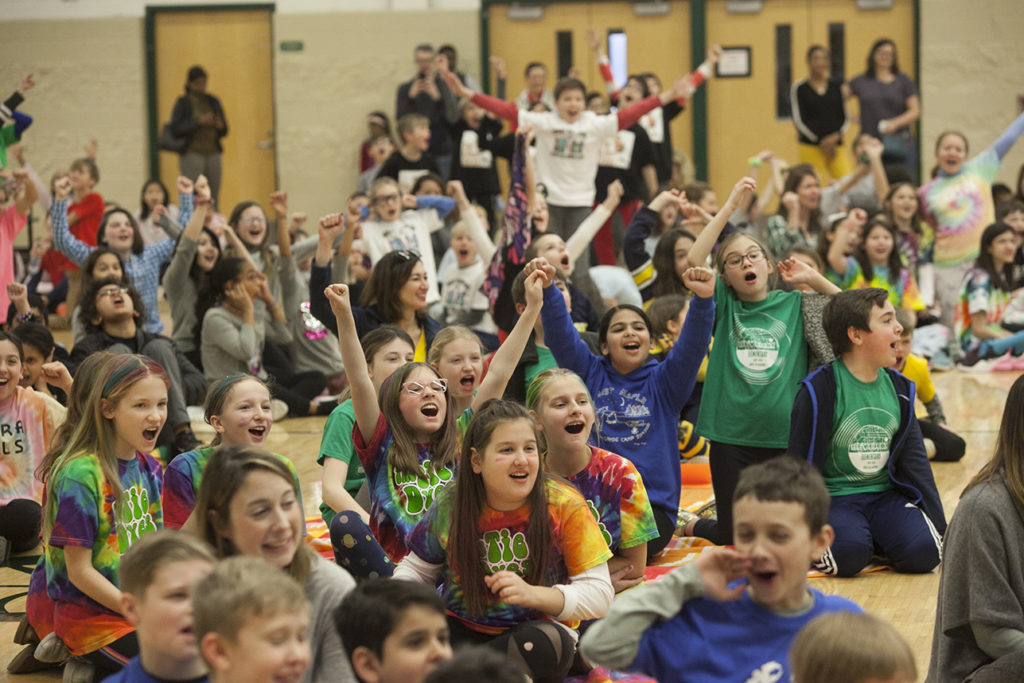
985 365
278 409
185 441
52 650
25 634
1005 364
77 670
25 663
708 510
940 361
970 358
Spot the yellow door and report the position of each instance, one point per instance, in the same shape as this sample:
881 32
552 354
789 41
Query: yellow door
742 117
235 47
659 44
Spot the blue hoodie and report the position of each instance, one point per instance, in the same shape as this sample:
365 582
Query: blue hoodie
638 413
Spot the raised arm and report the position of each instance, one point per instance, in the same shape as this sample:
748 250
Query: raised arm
477 232
559 334
739 196
507 356
583 235
364 398
66 243
1005 141
505 110
796 272
279 203
27 195
202 200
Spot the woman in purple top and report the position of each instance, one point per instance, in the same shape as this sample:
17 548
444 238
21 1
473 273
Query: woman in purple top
888 104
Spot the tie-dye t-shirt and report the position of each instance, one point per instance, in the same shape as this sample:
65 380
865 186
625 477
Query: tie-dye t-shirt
398 500
959 207
917 250
902 294
617 499
84 514
27 422
182 480
978 294
578 545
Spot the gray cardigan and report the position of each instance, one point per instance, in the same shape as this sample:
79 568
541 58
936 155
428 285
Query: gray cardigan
325 588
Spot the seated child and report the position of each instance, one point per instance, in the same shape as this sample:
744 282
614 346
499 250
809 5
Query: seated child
940 442
845 647
854 420
251 620
110 310
394 631
157 575
696 620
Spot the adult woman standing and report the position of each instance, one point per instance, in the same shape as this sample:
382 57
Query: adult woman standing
889 104
199 117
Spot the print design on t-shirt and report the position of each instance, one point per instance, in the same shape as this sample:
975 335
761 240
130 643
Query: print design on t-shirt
963 205
769 672
470 154
597 516
12 442
456 294
133 517
617 151
504 551
757 339
418 490
865 435
616 406
568 144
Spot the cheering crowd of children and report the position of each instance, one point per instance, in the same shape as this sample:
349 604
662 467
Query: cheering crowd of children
519 393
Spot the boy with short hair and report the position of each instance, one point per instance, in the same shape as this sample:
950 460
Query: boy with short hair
411 160
695 620
940 442
84 217
381 149
854 420
251 621
157 576
394 631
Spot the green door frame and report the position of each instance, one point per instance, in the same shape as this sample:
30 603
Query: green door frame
152 115
698 48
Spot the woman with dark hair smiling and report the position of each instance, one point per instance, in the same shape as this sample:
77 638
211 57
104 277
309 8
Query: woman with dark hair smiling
889 104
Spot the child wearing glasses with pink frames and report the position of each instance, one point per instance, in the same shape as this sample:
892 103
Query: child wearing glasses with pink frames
407 440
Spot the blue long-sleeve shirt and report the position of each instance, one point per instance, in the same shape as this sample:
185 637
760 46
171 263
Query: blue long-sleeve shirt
143 269
637 413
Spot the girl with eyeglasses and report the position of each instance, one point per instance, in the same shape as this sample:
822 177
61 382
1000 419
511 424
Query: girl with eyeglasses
407 438
761 351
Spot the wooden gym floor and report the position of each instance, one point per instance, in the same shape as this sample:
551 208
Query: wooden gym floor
973 405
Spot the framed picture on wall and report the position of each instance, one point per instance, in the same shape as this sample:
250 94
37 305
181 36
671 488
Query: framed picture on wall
735 62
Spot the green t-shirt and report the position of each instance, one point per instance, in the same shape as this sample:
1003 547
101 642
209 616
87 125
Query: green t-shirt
866 419
336 442
545 361
758 357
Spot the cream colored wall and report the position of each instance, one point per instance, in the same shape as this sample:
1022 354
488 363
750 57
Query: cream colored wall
91 83
351 65
972 72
